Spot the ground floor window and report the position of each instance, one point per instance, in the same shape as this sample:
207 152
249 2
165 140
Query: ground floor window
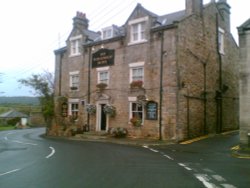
74 108
136 111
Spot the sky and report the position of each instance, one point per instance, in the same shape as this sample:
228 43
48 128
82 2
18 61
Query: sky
32 29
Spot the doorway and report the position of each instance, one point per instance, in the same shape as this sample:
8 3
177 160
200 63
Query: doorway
103 119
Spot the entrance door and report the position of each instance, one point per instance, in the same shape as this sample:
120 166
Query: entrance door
103 119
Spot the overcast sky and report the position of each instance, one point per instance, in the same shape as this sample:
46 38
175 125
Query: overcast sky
32 29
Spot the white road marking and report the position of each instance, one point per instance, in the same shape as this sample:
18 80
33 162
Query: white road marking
228 186
52 152
218 178
154 150
5 138
145 146
168 157
183 165
205 180
9 172
26 143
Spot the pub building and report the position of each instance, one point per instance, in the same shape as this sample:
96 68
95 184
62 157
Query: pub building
158 77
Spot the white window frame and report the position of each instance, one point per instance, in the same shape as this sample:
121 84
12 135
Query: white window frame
107 30
140 37
71 111
99 72
133 100
221 40
133 66
71 81
75 45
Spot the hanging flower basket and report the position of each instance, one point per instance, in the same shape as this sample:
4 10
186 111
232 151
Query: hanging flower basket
109 110
90 108
136 121
136 84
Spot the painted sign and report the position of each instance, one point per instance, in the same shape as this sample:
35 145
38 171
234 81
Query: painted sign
151 110
103 57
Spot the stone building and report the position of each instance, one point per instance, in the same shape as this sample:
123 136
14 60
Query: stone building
170 77
244 43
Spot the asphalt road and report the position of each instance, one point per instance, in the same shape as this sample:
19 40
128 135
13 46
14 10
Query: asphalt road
211 162
30 161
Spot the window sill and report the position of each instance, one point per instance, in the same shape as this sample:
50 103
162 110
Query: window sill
74 55
137 42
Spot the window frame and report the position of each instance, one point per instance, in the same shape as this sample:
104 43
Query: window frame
133 101
103 70
105 31
72 110
140 31
134 66
73 84
75 45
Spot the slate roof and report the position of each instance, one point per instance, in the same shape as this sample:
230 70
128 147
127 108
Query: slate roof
245 25
13 114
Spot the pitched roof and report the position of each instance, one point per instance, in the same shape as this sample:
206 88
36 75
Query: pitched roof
13 114
245 25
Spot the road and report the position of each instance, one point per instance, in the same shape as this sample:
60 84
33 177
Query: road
30 161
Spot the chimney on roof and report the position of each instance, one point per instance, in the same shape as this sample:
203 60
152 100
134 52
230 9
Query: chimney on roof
80 21
194 7
224 10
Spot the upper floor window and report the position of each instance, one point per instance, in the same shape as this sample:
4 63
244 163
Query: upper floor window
75 45
136 71
138 30
221 35
74 80
103 75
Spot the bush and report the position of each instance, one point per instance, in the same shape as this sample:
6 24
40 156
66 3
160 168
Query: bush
13 121
118 132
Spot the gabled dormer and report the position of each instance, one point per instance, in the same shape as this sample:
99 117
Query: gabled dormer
110 32
138 25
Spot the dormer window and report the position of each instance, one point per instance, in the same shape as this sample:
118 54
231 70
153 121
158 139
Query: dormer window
107 33
75 45
138 30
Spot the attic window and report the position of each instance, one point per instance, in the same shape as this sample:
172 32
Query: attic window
75 44
107 33
138 30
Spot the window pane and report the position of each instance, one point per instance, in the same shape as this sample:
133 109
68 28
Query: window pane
143 26
137 73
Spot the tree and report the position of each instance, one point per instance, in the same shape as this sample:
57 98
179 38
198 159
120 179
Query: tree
43 84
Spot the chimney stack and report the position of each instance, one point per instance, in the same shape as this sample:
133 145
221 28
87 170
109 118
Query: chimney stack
224 10
80 21
194 7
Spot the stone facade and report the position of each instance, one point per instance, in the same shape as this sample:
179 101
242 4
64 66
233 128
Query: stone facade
191 83
244 43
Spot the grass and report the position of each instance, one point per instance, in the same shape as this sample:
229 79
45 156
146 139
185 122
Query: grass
5 128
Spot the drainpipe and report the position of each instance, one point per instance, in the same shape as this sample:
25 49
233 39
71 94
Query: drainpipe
161 85
219 92
205 98
88 99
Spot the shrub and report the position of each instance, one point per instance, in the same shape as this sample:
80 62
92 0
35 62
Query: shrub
118 132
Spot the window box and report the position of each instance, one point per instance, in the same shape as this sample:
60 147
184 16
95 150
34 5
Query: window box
136 84
74 88
101 86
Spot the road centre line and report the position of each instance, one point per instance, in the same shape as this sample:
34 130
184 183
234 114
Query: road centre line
52 152
168 157
9 172
26 143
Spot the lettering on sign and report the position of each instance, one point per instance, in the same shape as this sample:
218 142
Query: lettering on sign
103 57
151 110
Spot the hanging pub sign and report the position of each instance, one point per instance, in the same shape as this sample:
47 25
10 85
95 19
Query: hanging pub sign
102 58
151 110
64 109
